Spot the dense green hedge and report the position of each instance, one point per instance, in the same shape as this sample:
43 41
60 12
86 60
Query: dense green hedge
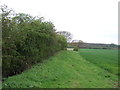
26 41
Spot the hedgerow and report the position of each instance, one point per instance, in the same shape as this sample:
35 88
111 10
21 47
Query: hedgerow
26 40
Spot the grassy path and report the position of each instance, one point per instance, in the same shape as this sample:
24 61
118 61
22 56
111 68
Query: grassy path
67 69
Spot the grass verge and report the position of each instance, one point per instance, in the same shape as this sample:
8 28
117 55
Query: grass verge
67 69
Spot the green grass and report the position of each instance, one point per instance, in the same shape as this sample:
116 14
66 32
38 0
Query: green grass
106 59
67 69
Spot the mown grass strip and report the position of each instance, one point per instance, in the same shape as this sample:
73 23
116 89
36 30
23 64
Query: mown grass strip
67 69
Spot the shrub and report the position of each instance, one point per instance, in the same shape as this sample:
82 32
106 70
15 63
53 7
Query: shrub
13 65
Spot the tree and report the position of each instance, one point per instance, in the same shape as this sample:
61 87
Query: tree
66 34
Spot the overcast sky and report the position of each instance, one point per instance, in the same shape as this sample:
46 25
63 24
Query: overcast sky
92 21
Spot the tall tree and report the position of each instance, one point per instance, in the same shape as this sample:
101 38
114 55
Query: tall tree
66 34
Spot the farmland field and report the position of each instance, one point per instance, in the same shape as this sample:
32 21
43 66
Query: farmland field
106 59
67 69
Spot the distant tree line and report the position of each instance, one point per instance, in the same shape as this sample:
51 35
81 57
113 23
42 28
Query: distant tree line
26 40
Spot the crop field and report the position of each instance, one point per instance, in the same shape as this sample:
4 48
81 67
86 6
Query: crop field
106 59
67 69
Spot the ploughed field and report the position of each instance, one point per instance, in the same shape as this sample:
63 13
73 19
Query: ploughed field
87 68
